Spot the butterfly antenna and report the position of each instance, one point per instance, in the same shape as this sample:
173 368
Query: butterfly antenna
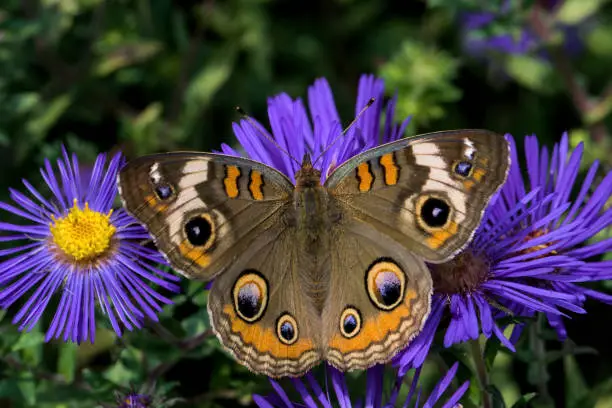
350 125
256 126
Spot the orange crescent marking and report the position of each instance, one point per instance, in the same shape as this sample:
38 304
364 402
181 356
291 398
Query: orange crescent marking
376 329
155 204
264 340
196 255
231 181
365 177
390 168
438 238
478 174
255 185
468 184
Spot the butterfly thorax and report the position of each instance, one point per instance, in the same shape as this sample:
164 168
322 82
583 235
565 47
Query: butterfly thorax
312 221
311 203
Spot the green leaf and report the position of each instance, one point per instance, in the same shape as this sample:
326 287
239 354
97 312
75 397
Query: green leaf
573 12
575 385
196 323
600 111
28 340
496 396
48 114
143 127
27 386
200 295
598 41
524 401
423 77
600 396
492 347
119 373
204 86
209 80
25 102
125 55
67 361
599 150
9 388
531 72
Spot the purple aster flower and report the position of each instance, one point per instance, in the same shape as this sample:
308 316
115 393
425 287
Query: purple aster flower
77 245
484 33
145 397
135 401
296 133
374 395
528 255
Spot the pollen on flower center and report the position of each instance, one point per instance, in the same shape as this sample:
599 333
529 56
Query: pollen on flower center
464 274
83 234
537 234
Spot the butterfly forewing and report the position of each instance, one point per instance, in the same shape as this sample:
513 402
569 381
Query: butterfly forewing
203 209
427 192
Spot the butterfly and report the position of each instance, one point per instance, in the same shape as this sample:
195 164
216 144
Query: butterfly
317 271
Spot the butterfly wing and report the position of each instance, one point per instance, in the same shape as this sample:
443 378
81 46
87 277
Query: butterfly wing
203 209
428 192
378 298
260 311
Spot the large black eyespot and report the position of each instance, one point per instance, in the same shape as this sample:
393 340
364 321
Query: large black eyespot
434 212
287 329
386 283
200 230
463 168
164 191
350 322
250 295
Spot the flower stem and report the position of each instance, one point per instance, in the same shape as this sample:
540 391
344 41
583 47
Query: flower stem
481 371
540 363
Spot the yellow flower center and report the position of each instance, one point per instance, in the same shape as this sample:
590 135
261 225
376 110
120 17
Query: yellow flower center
83 234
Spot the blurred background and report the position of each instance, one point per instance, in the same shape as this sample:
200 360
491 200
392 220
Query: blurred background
148 76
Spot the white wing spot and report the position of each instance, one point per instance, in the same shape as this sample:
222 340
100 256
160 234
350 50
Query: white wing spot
428 155
154 173
194 172
196 166
470 150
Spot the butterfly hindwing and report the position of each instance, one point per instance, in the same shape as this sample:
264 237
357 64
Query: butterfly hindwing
378 297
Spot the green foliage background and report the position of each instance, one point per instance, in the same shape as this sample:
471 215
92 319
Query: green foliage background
147 76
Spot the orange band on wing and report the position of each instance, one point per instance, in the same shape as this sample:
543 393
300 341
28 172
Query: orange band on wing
264 339
232 173
255 185
375 330
154 203
390 168
468 184
194 254
478 174
365 177
438 238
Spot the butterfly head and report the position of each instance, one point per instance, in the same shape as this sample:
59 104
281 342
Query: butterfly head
307 176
